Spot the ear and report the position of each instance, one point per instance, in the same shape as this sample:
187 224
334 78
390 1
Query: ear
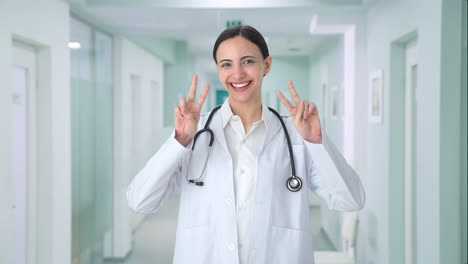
267 65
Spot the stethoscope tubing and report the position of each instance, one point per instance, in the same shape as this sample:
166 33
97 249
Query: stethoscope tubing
288 139
293 183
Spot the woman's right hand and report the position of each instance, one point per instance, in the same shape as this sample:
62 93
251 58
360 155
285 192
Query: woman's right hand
187 114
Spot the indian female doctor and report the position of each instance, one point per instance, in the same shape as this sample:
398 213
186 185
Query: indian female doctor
244 177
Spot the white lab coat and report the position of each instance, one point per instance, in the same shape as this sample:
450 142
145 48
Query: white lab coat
280 227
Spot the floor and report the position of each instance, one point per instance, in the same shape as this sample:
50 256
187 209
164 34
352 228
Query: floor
154 238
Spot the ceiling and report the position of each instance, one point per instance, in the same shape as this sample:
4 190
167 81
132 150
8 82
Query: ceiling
284 23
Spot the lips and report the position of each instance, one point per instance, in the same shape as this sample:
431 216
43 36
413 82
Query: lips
240 86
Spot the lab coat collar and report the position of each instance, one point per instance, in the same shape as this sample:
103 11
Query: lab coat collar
226 114
272 124
218 128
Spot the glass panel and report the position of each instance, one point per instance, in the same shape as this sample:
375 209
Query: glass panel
92 141
82 139
103 133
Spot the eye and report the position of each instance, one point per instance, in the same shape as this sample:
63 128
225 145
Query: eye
225 65
248 61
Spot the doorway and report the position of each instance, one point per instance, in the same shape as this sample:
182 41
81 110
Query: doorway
23 151
403 154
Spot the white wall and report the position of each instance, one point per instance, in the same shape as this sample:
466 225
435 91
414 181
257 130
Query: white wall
282 70
178 77
132 151
326 67
43 25
329 68
387 23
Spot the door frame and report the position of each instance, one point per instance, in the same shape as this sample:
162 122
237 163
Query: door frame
410 150
396 184
26 56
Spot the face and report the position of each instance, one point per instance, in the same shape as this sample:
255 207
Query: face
241 68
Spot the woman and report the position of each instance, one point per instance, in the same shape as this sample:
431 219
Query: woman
239 203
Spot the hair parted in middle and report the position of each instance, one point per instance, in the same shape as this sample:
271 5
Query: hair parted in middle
246 31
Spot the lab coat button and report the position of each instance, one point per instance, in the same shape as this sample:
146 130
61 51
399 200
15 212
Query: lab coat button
231 247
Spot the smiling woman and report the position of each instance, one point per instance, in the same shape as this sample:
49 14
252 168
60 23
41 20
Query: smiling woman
241 191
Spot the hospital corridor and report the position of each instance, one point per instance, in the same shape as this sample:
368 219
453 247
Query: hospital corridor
90 89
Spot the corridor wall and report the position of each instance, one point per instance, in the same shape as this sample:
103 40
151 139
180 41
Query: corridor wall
138 108
20 22
435 206
326 82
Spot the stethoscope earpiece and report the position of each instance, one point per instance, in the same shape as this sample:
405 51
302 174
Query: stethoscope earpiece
294 183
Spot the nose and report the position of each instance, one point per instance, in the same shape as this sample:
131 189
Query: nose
238 71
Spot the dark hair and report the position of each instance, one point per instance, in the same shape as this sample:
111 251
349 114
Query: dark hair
248 32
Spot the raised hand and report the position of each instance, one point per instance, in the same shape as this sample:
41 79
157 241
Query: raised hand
305 116
187 114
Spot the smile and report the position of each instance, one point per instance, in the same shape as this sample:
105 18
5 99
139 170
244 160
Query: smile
240 85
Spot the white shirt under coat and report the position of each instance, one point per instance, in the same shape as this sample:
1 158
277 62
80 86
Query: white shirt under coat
278 221
244 149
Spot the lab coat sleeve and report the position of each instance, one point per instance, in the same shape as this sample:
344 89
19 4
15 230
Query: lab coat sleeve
160 177
328 163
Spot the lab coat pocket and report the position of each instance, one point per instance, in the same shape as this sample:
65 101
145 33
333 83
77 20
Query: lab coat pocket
289 208
195 246
195 207
300 163
290 246
195 203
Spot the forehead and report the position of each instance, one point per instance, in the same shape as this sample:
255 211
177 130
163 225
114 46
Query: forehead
238 46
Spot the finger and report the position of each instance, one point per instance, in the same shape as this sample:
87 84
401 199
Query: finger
305 114
310 110
285 101
203 95
299 111
313 109
182 104
177 112
293 92
193 88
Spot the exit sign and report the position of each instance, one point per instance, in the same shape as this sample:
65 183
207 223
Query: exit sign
231 23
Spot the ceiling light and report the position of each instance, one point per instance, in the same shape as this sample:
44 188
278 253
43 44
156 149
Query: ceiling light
74 45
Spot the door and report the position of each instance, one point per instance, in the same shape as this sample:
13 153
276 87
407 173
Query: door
23 103
411 76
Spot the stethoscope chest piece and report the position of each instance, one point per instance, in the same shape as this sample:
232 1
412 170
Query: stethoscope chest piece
294 183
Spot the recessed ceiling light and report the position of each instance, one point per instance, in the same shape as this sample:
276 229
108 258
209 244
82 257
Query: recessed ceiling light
74 45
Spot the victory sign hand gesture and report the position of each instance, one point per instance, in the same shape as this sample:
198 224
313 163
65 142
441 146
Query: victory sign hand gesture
187 114
305 116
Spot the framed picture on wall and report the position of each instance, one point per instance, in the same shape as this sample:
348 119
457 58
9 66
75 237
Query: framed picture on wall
375 97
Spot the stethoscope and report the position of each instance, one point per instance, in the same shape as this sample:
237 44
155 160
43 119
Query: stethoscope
294 183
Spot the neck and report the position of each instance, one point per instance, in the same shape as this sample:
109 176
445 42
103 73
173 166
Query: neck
248 112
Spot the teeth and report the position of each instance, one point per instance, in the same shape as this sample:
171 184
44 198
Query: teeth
240 85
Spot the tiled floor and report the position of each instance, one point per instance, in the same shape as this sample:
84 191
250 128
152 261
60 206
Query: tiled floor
154 239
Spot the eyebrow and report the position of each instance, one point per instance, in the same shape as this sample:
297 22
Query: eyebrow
243 58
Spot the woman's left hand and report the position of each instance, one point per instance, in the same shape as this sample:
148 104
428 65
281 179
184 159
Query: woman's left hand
305 116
